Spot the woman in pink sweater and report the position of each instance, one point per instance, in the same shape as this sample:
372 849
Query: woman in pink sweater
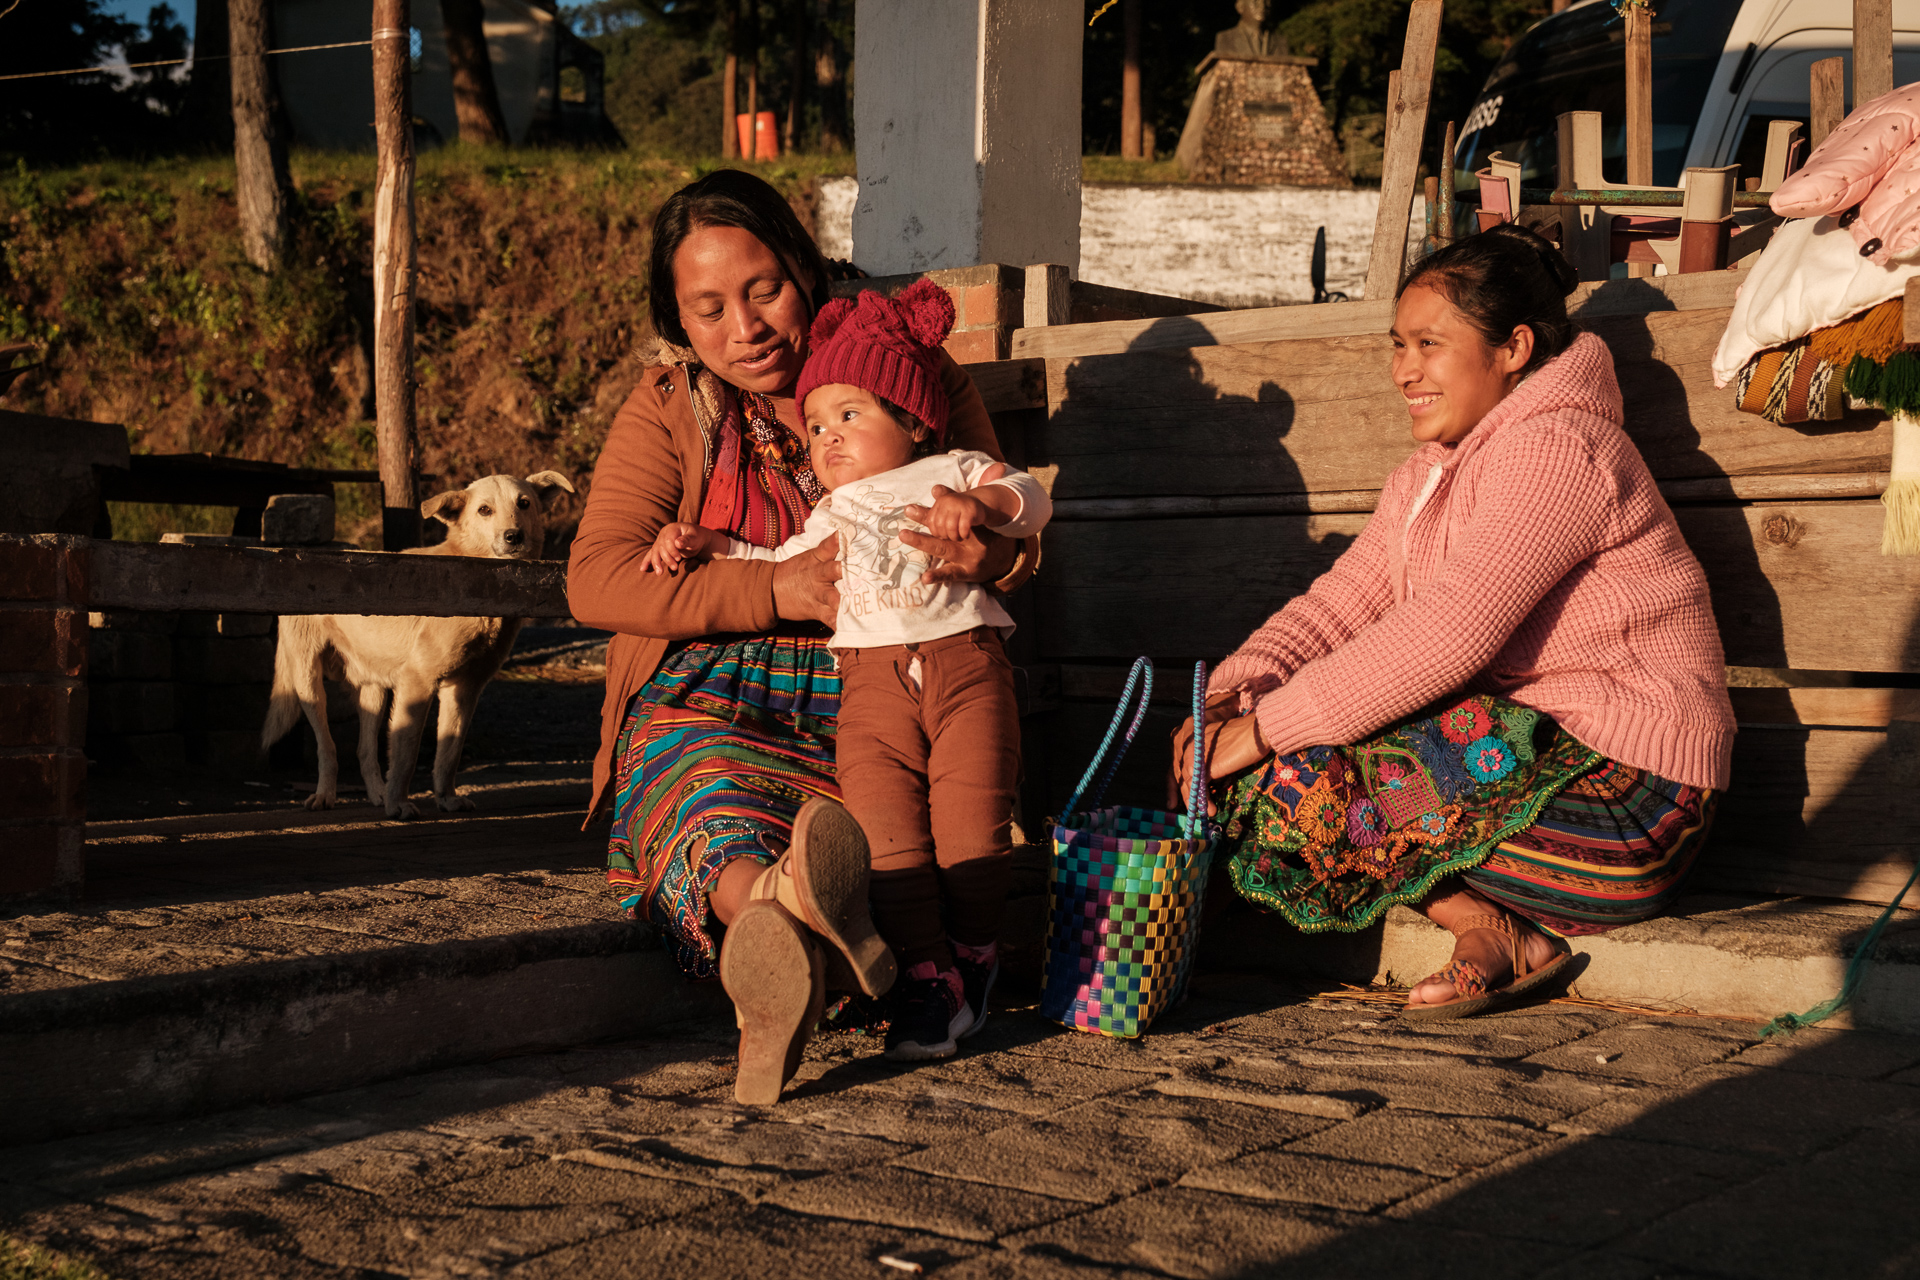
1505 705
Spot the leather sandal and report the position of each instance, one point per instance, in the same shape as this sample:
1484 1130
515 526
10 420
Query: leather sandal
776 977
1470 982
822 881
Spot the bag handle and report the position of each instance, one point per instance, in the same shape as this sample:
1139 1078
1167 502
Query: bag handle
1194 820
1141 666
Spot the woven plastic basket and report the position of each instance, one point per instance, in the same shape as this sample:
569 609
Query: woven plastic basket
1125 892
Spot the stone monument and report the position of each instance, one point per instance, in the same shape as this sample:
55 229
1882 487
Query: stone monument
1256 119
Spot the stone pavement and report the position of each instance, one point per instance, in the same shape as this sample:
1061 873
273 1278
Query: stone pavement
1256 1131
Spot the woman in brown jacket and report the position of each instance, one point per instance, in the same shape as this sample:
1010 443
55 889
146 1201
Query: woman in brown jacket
716 744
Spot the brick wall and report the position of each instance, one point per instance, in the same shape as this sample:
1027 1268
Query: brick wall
43 712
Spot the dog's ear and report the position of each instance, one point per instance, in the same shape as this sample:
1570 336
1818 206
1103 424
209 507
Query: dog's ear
548 482
445 507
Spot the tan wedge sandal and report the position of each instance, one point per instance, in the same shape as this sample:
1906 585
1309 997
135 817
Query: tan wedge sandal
1467 978
776 977
822 881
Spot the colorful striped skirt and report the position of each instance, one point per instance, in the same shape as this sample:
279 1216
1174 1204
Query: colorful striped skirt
717 754
1488 790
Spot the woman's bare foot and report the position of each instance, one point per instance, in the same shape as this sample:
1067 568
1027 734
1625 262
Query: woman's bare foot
1486 949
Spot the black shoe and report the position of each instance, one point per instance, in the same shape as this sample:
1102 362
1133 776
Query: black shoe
978 979
926 1018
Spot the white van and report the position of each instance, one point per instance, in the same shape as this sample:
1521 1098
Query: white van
1722 70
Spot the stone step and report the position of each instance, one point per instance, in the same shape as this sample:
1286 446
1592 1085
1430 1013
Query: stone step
226 959
1714 953
231 959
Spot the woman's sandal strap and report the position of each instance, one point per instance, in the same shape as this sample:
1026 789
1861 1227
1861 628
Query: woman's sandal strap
1501 924
1465 977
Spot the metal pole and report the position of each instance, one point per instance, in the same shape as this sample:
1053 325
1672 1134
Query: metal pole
394 264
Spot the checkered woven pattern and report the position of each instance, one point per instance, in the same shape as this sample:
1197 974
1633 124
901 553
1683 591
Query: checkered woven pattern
1123 919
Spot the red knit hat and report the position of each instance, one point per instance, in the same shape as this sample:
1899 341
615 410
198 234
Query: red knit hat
888 346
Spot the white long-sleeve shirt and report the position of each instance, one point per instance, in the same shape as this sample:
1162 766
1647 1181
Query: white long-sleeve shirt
882 600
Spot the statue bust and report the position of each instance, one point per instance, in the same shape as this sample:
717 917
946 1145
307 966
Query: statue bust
1250 39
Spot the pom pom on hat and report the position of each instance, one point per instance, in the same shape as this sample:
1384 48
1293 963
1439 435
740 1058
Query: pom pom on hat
887 346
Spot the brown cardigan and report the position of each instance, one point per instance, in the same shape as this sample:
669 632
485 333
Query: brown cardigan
651 473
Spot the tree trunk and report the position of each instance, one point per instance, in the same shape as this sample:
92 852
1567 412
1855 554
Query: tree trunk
829 79
1130 147
753 79
476 100
394 265
729 104
259 152
797 80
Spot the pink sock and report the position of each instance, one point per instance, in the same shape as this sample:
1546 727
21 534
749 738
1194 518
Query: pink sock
976 955
950 975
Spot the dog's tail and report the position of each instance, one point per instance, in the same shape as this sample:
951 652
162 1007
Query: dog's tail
296 675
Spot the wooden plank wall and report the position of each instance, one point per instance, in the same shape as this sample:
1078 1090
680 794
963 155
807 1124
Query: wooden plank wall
1198 487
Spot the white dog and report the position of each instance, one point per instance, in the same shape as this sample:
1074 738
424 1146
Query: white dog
499 516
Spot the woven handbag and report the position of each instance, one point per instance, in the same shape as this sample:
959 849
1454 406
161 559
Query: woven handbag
1123 902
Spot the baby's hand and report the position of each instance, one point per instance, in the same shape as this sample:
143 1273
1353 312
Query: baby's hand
954 515
676 543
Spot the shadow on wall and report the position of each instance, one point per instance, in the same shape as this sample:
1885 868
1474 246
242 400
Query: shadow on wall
1135 436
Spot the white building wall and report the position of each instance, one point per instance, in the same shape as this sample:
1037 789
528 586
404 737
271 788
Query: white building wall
1238 247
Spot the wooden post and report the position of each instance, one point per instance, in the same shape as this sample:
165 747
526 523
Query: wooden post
259 154
750 145
1431 191
393 272
1639 21
1446 185
1827 96
1872 50
1130 147
1048 296
1407 94
730 72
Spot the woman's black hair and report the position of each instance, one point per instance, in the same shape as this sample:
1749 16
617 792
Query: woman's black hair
1503 278
729 198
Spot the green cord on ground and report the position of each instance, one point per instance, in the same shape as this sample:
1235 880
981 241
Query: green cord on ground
1827 1008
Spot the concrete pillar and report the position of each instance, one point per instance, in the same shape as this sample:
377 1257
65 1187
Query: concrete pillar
967 128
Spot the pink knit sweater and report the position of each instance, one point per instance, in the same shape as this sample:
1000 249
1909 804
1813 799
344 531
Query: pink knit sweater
1535 560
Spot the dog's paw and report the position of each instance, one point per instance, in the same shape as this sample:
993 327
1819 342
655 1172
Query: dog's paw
404 809
452 803
321 800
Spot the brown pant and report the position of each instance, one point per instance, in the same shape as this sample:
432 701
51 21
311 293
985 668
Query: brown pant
929 770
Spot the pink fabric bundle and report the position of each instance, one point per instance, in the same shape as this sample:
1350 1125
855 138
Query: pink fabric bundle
1871 160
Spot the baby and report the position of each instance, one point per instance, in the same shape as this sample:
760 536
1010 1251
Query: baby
928 748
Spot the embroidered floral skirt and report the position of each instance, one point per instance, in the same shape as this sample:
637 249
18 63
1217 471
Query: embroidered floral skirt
1488 790
718 752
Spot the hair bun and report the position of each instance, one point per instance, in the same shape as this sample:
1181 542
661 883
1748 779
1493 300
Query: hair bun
1551 260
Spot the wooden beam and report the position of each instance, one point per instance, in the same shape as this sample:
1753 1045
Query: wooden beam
1406 133
1783 576
394 270
1769 488
1639 109
1322 416
1010 384
1713 289
1825 708
1827 98
1830 812
1910 312
163 577
1872 50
